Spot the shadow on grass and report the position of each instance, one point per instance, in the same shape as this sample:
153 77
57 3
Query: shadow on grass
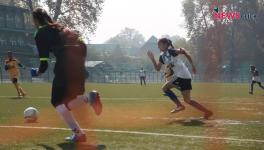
67 146
80 146
188 122
63 146
73 146
16 98
46 147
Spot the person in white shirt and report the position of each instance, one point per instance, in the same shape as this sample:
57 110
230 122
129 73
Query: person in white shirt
142 76
181 76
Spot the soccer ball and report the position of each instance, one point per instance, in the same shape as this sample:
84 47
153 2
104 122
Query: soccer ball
31 114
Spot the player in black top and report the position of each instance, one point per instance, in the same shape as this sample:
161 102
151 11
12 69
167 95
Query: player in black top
69 81
255 79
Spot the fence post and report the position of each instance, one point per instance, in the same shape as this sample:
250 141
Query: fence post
1 71
1 74
49 72
21 73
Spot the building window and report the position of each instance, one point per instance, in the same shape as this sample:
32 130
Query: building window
20 41
19 20
10 20
3 41
28 21
2 19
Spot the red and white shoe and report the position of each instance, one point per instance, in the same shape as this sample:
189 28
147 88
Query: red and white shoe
24 94
95 101
20 95
76 138
178 109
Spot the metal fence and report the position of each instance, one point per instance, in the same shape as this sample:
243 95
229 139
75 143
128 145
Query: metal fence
114 77
96 77
124 77
25 76
101 76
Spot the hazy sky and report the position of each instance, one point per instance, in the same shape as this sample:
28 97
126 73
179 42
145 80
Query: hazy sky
149 17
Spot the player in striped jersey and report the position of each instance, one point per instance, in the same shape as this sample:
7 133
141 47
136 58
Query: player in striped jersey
180 75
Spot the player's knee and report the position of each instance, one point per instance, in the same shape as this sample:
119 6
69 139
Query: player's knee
54 103
164 89
14 80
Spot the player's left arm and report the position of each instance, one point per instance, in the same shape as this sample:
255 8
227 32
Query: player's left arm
6 65
188 56
43 50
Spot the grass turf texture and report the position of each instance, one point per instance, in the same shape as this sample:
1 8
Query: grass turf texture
131 107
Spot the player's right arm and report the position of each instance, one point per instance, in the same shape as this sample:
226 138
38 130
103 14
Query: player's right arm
158 65
20 64
43 50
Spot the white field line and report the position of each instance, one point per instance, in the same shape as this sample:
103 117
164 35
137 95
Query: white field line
142 133
145 99
214 121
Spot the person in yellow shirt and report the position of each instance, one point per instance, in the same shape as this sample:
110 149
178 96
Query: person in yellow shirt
12 67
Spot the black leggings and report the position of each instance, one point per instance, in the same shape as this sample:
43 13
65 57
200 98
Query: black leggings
143 79
252 85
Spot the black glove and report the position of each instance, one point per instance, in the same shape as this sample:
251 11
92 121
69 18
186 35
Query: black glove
6 67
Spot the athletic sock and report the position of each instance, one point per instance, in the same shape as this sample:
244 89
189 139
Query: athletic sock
198 106
21 90
173 97
78 101
17 88
69 119
251 87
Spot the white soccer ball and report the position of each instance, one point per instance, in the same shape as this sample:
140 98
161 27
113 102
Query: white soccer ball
31 114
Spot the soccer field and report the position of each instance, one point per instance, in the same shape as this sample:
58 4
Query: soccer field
138 118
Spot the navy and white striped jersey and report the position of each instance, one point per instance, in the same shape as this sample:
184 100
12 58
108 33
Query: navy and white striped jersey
178 67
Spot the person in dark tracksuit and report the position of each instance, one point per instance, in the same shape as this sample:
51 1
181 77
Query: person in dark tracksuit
68 85
142 76
255 79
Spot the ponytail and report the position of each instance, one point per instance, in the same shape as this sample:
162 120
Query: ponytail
44 18
170 43
48 19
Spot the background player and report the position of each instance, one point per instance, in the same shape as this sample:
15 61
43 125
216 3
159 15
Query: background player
255 79
142 76
12 67
181 76
69 82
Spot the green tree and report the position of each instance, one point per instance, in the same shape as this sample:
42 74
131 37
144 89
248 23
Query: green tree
81 15
225 42
128 38
205 36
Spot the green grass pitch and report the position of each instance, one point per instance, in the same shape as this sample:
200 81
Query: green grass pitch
138 118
